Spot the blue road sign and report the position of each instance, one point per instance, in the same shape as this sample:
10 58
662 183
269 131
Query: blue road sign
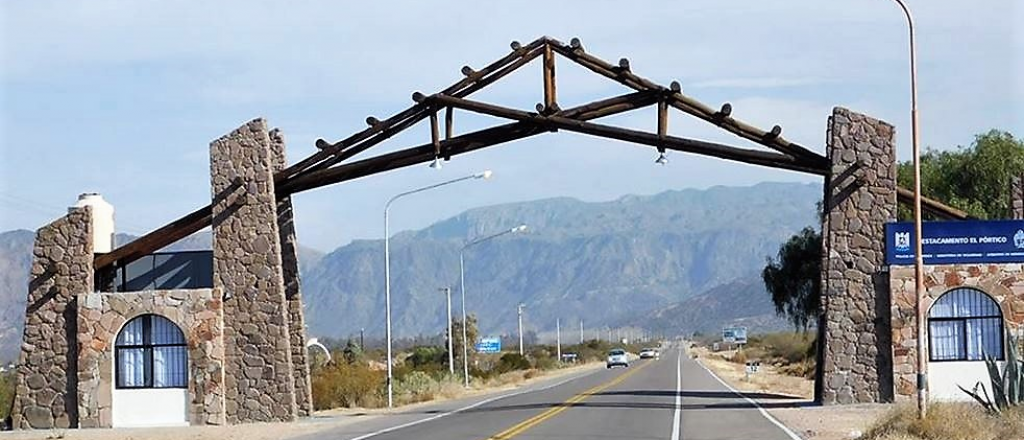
488 345
992 241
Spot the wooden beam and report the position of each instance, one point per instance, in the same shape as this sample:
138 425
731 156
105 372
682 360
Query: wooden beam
755 157
156 240
550 104
931 206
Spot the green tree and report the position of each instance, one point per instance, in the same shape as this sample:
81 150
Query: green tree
793 278
472 333
974 179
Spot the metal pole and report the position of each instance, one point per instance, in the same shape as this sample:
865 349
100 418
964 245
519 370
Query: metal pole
581 330
519 311
451 356
387 266
361 346
465 323
387 298
922 359
558 339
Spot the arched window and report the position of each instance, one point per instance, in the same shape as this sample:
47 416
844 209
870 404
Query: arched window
965 324
150 352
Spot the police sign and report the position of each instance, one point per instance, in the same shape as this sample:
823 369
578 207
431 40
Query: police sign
994 241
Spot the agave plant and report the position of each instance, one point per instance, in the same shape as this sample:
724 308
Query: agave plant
1007 387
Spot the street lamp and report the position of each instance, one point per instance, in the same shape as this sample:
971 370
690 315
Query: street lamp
451 359
519 311
922 361
387 262
462 289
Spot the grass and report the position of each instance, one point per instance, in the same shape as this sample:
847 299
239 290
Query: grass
791 353
948 421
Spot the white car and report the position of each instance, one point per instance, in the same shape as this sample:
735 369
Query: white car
649 353
617 356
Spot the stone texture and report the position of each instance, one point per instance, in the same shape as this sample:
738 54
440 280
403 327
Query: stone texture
248 270
860 197
292 286
199 315
46 385
1003 282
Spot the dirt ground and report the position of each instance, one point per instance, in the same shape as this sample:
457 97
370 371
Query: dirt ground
810 422
322 420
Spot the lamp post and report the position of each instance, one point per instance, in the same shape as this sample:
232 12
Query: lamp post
387 264
519 311
451 356
581 331
558 340
922 360
462 289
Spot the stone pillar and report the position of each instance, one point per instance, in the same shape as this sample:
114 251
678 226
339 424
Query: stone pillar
1017 198
46 393
292 291
248 271
860 197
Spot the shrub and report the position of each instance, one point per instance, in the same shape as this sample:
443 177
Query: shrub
341 384
947 421
512 362
416 386
1007 386
6 395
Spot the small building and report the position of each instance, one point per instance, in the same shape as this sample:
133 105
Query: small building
180 338
974 300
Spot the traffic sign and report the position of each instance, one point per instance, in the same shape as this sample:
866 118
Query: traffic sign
488 345
734 335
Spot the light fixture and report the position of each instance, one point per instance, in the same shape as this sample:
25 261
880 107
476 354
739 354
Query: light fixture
519 228
483 175
662 159
436 164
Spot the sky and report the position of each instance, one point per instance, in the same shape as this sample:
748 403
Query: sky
123 97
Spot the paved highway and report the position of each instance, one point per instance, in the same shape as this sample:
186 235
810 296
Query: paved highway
669 398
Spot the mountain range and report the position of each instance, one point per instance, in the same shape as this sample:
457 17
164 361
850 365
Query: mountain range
678 261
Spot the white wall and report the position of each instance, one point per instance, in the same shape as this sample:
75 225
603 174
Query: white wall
150 407
943 378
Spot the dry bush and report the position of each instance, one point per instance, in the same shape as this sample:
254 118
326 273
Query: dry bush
347 385
6 396
948 421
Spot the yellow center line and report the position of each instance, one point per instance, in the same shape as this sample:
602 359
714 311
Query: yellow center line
540 418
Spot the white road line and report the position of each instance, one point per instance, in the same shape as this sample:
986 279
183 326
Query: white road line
792 435
679 397
482 402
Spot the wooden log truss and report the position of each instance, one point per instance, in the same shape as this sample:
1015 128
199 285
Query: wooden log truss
331 165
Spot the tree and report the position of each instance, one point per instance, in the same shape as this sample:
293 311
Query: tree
974 179
794 278
471 335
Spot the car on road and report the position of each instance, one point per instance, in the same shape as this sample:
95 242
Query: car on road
649 353
617 357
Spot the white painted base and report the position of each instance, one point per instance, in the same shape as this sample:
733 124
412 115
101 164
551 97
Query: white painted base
150 407
943 378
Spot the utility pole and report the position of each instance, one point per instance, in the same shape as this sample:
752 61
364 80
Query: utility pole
558 339
581 330
451 356
519 311
361 346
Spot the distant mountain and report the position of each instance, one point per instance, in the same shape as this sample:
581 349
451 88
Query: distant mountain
674 260
597 261
743 302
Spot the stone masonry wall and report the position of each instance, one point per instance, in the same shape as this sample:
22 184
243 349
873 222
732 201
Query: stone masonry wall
860 197
46 386
199 315
292 290
248 270
1003 282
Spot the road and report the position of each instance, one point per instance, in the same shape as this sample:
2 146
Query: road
669 398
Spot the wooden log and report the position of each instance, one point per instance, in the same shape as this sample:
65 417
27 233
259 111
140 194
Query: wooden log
755 157
636 99
449 122
931 206
662 118
549 80
156 240
435 135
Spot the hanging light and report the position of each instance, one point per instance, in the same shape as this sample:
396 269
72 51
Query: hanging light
436 164
662 159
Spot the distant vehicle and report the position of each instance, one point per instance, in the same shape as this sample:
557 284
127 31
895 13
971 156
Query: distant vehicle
649 353
569 357
617 356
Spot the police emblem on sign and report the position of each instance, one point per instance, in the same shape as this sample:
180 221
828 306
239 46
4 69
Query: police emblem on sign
903 240
1018 239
